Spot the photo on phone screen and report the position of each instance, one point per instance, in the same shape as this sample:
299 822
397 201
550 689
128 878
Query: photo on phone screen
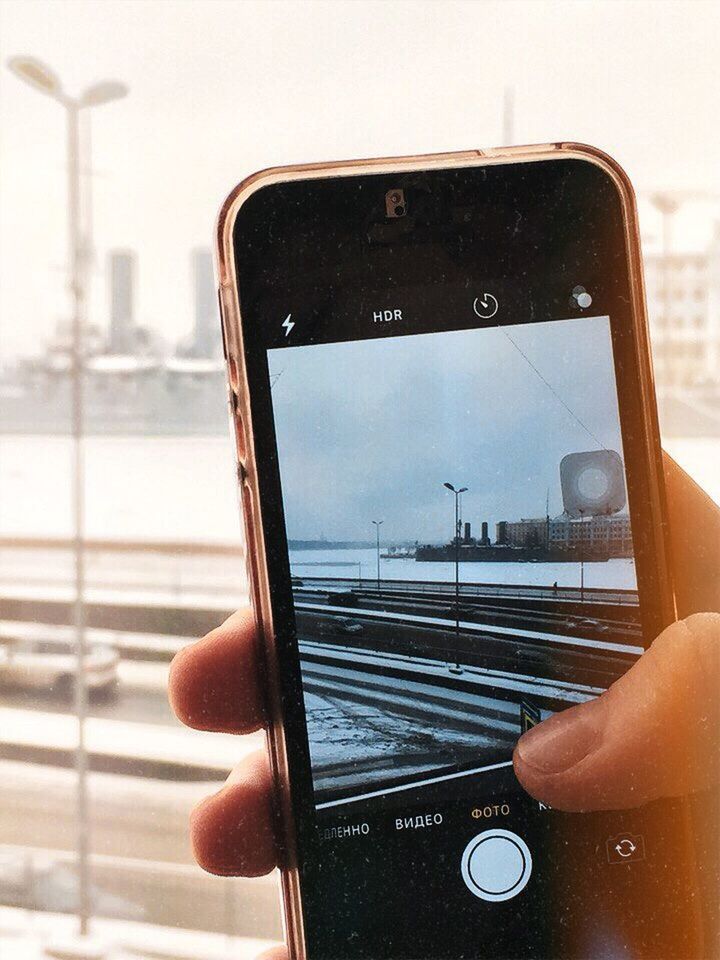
449 498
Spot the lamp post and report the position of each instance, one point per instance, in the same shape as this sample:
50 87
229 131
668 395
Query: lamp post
378 524
39 76
582 555
458 494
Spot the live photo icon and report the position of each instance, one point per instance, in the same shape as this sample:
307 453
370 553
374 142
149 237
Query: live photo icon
592 483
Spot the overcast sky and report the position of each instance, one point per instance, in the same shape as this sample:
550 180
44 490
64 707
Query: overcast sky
221 89
372 429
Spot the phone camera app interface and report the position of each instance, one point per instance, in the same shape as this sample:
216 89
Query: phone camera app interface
461 561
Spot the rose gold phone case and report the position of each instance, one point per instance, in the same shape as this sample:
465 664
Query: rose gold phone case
240 415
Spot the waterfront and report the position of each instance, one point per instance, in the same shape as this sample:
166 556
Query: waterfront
172 488
177 488
318 563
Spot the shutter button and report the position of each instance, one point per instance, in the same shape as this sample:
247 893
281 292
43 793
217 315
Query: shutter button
496 865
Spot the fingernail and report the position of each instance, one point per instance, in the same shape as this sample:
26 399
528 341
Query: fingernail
559 743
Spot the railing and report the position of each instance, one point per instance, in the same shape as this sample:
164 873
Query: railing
137 579
603 594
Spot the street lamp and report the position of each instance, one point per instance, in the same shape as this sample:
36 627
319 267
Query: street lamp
458 494
39 76
582 555
378 524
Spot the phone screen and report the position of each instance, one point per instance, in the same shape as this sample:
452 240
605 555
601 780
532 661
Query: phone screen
454 580
454 540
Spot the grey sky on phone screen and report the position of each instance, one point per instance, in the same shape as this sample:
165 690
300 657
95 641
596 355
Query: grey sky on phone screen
373 428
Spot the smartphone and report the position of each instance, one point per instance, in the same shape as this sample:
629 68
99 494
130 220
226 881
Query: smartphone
450 473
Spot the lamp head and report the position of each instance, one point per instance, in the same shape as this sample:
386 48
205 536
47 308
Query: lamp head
449 486
104 92
37 74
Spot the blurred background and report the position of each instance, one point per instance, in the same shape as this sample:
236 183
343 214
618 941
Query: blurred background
119 537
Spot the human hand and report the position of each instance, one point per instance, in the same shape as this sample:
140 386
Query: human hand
652 734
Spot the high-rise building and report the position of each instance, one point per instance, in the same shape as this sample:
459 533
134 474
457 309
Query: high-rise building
206 333
683 294
122 267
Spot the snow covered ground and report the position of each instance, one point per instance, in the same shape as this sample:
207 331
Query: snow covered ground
370 728
618 573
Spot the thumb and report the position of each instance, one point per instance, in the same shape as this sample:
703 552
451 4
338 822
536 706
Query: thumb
653 734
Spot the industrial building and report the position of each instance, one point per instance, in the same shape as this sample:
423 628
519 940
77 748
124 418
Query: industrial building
611 532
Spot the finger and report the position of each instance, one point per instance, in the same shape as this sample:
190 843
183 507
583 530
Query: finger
232 832
653 734
275 953
215 683
695 541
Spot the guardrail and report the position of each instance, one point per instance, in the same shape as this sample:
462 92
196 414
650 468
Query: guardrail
169 895
134 618
605 594
94 545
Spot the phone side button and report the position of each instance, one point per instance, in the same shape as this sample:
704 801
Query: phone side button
240 437
233 374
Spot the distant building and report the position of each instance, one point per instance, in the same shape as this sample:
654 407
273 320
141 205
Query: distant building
122 268
596 533
683 295
205 341
207 325
525 533
609 534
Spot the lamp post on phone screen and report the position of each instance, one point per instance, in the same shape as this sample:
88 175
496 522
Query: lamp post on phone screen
378 524
582 556
39 76
456 538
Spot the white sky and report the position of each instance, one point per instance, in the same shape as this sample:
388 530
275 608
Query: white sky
220 89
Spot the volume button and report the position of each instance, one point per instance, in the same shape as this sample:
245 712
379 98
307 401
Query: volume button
240 439
230 335
233 374
222 323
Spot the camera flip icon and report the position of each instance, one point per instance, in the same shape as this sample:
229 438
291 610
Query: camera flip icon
625 848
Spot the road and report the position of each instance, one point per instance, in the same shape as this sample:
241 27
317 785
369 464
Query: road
141 867
137 575
141 696
146 776
468 589
386 710
585 654
397 690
